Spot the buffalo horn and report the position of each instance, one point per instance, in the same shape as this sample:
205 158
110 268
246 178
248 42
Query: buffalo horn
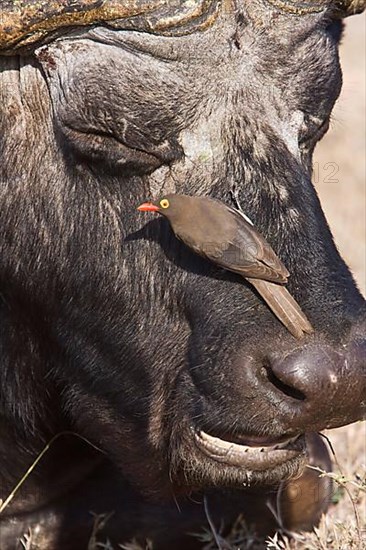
341 8
25 22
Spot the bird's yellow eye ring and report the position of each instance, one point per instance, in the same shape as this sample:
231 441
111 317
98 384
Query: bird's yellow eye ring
164 203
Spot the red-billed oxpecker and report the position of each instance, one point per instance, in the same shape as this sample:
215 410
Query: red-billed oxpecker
228 238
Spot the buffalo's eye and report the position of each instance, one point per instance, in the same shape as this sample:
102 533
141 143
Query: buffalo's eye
117 112
335 30
119 155
164 203
312 129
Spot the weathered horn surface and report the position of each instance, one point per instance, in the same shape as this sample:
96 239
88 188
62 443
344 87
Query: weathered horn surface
341 8
350 7
24 22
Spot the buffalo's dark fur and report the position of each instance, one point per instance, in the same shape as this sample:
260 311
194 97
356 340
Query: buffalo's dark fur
110 328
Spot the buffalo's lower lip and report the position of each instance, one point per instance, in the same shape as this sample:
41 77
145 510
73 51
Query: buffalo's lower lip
256 458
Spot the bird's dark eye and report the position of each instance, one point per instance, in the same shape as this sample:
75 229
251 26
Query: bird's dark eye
164 203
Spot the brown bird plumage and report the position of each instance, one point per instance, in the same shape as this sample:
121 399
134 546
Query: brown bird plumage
228 238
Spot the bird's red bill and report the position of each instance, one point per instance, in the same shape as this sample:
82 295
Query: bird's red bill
148 207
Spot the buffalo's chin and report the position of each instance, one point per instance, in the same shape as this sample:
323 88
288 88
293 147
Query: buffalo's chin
211 461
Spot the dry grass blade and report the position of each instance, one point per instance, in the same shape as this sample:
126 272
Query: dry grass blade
221 544
100 521
10 497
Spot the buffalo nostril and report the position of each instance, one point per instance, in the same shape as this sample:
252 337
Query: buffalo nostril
317 386
284 388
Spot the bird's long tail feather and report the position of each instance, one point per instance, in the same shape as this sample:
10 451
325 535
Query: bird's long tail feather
284 306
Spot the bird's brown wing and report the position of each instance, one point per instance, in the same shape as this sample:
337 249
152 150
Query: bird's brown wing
249 254
284 306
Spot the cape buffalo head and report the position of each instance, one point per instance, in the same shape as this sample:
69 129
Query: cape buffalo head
110 326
